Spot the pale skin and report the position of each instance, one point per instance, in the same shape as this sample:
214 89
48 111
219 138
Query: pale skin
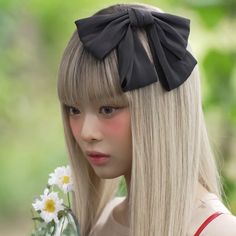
106 128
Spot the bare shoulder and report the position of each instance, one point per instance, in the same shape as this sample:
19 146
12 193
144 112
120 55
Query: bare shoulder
224 224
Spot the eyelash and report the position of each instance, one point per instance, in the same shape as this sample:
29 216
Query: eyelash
70 108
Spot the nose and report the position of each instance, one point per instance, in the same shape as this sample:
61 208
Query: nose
90 128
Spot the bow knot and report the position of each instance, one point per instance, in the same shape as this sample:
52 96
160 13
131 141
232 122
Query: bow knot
167 37
139 17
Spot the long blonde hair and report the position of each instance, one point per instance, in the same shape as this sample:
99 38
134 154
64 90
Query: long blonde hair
171 151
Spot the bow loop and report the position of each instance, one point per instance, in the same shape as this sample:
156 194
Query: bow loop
173 34
95 36
167 38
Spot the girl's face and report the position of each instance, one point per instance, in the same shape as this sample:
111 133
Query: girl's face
104 128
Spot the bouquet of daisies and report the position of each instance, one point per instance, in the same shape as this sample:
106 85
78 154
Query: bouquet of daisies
54 217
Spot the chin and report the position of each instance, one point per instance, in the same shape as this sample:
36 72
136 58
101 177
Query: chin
107 175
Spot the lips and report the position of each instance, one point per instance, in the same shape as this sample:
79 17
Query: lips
97 158
95 154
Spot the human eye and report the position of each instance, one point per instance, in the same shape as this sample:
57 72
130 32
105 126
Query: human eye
73 111
108 110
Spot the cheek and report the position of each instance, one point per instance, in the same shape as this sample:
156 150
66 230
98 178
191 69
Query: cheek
74 126
119 126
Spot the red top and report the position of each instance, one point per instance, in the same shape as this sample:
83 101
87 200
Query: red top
206 222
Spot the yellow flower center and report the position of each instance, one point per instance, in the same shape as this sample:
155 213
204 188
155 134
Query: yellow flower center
65 179
49 206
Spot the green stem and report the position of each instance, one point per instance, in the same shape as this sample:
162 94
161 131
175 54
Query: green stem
68 197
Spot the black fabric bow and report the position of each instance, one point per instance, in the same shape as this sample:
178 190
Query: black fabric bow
167 36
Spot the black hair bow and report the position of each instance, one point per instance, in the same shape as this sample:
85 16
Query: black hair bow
167 37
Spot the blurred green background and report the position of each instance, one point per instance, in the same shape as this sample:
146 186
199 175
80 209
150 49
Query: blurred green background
33 35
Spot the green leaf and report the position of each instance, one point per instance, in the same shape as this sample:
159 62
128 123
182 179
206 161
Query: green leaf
69 230
38 219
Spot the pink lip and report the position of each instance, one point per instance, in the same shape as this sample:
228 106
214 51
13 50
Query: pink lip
97 158
96 154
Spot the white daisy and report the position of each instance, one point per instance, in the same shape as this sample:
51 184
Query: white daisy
62 178
49 205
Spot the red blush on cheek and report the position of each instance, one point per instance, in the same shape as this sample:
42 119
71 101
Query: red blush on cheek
118 126
74 127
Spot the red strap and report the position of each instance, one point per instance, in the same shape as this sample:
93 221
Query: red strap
206 222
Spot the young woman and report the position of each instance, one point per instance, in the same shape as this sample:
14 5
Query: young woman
130 96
